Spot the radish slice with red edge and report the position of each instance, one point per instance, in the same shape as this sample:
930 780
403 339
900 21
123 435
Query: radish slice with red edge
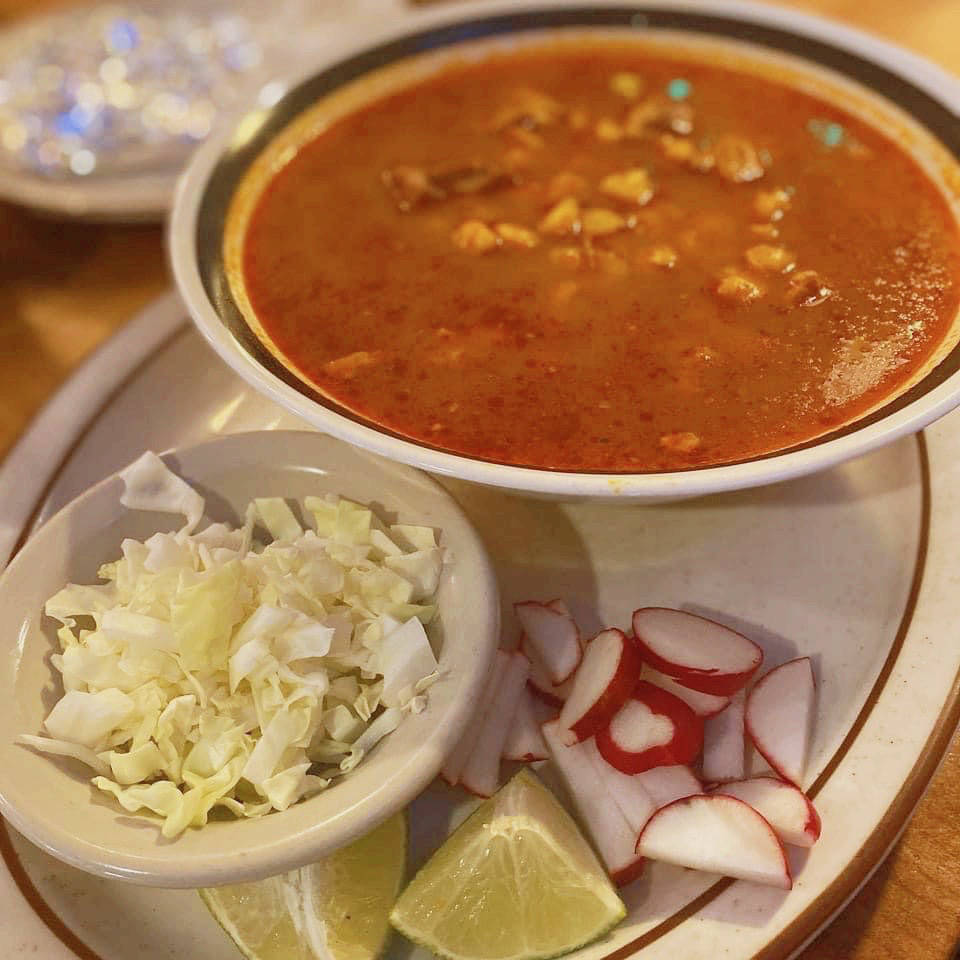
457 760
652 729
787 809
481 772
779 717
724 747
719 834
541 686
666 784
611 833
702 704
699 653
604 682
552 636
551 694
627 792
525 742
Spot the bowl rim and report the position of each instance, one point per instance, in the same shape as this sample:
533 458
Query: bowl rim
277 847
444 27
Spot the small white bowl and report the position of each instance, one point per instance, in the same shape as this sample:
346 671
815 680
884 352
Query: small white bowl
923 96
51 801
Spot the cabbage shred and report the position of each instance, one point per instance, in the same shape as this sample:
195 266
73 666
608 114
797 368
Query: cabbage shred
209 670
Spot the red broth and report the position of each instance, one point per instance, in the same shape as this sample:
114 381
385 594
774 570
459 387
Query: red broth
604 261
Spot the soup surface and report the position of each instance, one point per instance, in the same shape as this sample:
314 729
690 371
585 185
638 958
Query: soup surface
603 259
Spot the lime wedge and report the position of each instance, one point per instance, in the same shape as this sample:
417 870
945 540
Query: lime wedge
516 881
336 909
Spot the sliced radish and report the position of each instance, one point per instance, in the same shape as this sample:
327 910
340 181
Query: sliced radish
457 760
628 792
666 784
652 729
779 717
542 687
552 694
719 834
481 772
552 636
701 654
724 750
787 809
560 606
524 740
702 704
602 685
612 835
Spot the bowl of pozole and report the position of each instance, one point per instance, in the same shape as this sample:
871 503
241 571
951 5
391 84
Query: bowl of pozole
592 253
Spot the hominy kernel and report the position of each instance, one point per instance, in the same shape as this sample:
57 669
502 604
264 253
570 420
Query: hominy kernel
770 258
771 204
738 289
599 222
514 235
633 185
684 442
475 236
569 257
662 255
562 218
608 130
627 85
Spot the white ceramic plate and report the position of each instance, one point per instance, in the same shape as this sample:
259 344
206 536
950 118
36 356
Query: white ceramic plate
50 800
853 566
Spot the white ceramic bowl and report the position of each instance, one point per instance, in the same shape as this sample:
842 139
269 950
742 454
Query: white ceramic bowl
923 97
50 800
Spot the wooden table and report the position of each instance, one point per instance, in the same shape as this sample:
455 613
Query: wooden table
66 287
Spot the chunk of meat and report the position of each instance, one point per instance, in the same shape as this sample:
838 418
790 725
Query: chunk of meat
413 186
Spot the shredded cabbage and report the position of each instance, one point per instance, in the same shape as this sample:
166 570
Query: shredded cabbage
211 670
